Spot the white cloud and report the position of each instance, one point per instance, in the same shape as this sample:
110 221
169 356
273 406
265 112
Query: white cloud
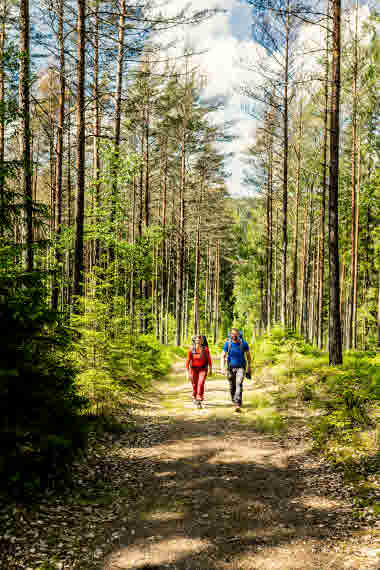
229 58
219 43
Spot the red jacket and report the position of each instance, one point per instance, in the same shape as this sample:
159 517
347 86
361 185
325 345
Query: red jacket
199 359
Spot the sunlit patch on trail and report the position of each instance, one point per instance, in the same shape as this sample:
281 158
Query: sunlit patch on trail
164 516
155 553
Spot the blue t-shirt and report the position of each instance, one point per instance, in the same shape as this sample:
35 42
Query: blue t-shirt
236 355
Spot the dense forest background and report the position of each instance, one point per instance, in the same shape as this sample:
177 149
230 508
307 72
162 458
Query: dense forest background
118 238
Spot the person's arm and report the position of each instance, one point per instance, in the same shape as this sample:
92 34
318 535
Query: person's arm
223 357
248 359
209 361
189 355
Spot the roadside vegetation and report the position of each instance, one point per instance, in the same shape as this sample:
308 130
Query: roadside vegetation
339 406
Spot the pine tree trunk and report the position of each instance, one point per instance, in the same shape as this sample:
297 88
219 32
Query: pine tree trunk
69 215
335 333
78 276
2 122
96 154
269 237
117 125
24 79
295 252
285 179
60 139
276 315
304 270
324 192
305 327
164 281
355 300
217 282
181 245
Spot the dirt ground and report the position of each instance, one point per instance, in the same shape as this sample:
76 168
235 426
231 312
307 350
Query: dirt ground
217 493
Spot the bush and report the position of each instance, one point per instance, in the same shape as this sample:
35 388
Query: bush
41 426
113 363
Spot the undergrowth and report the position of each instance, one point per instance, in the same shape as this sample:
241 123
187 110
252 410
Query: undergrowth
343 402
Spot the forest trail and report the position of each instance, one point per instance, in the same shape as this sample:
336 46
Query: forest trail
217 494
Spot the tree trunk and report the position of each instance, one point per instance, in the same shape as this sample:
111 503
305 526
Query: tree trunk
295 252
59 163
355 300
2 122
24 79
81 155
181 245
353 186
285 179
324 192
119 81
96 154
335 333
276 315
164 281
217 284
270 235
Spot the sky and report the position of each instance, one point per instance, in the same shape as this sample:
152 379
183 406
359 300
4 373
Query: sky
220 42
223 43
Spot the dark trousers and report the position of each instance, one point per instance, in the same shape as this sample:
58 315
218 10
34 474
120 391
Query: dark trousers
236 378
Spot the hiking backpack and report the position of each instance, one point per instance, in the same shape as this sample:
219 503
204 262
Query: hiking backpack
240 339
204 344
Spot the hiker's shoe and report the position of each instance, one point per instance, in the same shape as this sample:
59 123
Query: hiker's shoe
199 404
194 401
238 409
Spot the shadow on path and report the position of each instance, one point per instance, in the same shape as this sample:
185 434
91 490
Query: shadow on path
214 494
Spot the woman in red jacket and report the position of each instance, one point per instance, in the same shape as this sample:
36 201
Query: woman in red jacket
198 364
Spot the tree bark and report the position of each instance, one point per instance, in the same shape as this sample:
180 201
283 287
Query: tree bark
181 244
324 192
285 179
335 333
356 259
96 154
78 276
60 139
2 95
119 82
24 80
353 185
295 252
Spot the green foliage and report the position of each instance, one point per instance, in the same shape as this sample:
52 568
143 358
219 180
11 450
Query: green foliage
115 364
41 426
345 399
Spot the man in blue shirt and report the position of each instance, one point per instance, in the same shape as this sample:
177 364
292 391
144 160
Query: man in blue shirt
235 351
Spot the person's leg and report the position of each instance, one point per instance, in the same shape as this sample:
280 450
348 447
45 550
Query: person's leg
232 381
201 384
240 372
194 381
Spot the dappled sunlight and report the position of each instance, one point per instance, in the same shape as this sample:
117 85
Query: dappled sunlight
299 555
321 503
154 553
222 493
164 516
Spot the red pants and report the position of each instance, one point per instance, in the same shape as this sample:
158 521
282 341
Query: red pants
198 378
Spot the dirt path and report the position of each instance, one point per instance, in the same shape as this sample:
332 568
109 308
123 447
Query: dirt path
215 492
